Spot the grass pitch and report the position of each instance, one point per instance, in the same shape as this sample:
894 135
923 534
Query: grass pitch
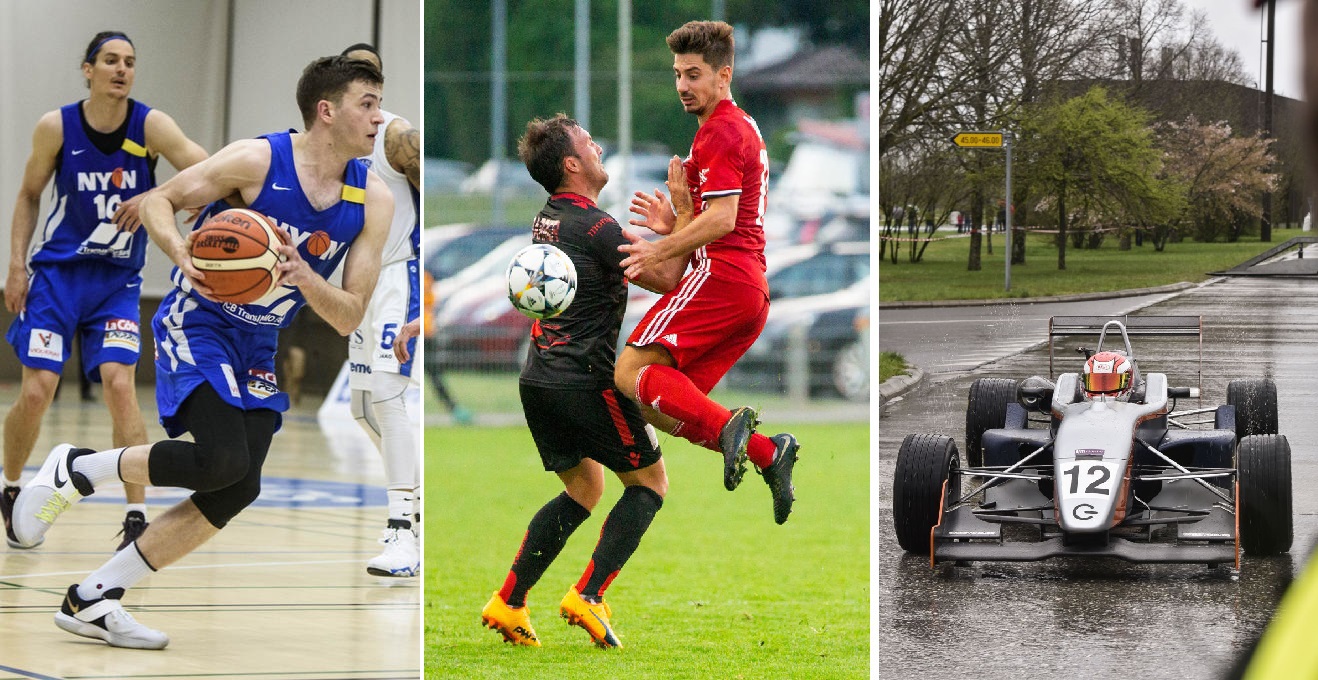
715 590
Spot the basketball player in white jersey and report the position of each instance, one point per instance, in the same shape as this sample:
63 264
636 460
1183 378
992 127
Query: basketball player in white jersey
380 375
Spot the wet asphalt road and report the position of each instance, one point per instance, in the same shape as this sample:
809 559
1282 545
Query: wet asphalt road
1069 618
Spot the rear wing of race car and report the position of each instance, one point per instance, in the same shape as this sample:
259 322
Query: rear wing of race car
1135 325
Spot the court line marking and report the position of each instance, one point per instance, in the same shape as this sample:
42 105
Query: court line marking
28 674
236 565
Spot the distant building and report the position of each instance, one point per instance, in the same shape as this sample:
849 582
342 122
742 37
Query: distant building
818 83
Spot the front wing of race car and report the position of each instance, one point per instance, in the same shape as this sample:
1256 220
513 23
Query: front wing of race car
1201 536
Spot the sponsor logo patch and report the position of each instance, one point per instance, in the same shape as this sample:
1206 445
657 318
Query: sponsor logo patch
122 334
44 344
1089 453
261 384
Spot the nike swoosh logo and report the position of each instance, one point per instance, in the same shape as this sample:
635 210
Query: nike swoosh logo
72 607
58 482
276 187
75 152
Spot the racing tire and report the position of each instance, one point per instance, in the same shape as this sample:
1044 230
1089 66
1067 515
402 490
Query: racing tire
1255 400
1267 523
986 410
924 462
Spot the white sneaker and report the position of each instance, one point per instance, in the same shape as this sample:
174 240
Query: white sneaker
105 619
49 494
401 556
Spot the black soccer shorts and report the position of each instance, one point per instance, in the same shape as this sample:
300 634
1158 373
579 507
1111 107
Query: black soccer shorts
603 425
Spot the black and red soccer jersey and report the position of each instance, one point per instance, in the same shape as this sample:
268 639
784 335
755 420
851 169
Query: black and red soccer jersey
578 348
728 158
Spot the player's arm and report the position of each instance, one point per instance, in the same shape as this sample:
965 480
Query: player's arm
165 137
717 220
46 141
660 278
343 308
237 168
402 147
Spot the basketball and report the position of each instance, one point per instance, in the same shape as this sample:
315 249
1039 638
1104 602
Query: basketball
235 249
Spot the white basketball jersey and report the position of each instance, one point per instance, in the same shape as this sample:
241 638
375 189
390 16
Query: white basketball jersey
398 247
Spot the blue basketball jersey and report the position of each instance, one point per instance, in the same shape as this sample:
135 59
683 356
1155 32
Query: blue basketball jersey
89 186
282 199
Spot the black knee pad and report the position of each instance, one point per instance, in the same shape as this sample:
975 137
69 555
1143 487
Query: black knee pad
197 467
218 507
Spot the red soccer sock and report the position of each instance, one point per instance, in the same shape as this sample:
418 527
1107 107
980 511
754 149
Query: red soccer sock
670 392
760 450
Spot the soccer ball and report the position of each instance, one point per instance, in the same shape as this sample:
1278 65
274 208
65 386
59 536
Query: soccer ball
541 281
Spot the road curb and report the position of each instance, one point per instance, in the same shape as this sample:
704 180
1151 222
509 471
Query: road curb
899 384
1077 297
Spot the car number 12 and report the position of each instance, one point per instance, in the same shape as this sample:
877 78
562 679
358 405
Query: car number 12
1097 475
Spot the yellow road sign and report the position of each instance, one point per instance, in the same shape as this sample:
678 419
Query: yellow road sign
978 139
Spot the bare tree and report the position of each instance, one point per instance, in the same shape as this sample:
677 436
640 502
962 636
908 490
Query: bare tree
915 84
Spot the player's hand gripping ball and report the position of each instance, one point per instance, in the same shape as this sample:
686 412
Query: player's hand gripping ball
541 281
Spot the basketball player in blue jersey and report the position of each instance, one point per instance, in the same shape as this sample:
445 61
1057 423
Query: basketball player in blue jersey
83 277
215 373
380 374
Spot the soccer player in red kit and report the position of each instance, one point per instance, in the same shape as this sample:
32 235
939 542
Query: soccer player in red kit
694 334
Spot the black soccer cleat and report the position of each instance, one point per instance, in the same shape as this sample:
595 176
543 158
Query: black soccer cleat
732 441
7 497
778 475
134 524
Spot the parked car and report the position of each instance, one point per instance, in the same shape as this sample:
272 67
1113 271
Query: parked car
475 325
442 175
513 177
827 296
452 247
649 171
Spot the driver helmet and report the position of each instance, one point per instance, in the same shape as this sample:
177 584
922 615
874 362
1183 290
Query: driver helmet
1108 374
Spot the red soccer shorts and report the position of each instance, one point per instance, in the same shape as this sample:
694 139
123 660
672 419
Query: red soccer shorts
706 323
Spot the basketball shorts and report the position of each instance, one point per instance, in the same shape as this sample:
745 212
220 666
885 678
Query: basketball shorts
195 347
706 324
396 300
603 425
97 302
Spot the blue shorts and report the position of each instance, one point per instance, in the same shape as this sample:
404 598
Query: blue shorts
196 346
96 301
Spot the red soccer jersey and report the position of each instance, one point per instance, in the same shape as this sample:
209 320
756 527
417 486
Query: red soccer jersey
728 158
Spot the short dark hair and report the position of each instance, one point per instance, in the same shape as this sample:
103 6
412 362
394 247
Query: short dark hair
94 47
365 47
712 40
327 78
543 148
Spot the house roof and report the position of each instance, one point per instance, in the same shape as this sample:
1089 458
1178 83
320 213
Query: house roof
820 68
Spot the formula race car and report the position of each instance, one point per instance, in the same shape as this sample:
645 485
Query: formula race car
1110 468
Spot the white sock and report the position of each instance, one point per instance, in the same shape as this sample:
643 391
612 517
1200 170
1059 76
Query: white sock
140 507
400 504
10 482
100 467
124 570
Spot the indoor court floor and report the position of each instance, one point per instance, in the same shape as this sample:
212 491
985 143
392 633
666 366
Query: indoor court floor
282 592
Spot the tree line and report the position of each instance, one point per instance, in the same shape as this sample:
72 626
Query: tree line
1085 85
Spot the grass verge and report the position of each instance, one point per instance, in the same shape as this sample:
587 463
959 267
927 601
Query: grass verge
890 364
942 274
